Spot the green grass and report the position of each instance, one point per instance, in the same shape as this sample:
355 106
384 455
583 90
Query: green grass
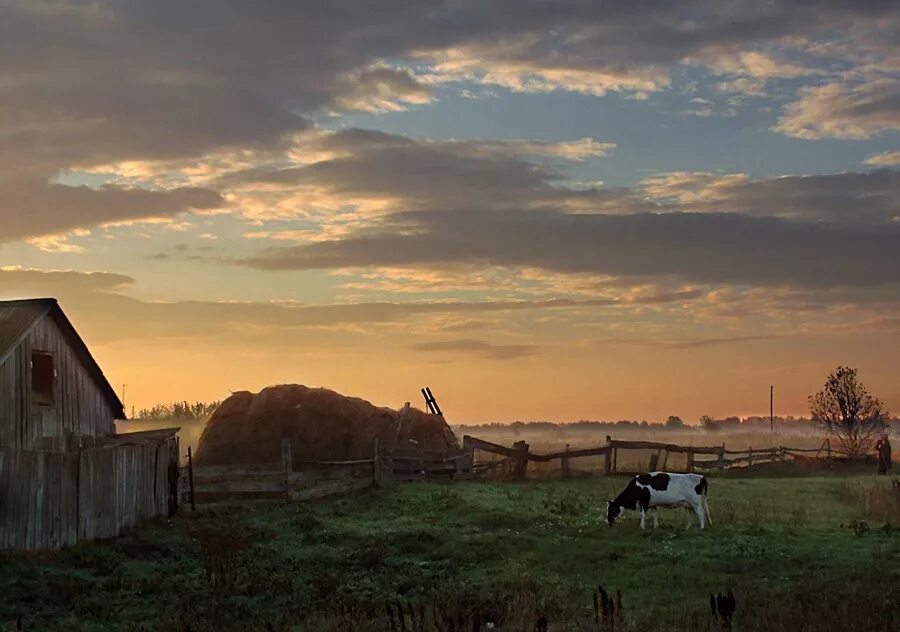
541 544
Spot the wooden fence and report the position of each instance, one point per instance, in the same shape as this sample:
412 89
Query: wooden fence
305 481
516 459
289 481
750 457
53 499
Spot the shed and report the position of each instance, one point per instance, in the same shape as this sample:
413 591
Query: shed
65 475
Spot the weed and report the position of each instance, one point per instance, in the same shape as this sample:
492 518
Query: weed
565 505
221 547
742 546
874 500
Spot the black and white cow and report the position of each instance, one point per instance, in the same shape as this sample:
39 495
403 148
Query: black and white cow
647 492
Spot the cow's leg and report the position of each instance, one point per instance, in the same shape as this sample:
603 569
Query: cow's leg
698 509
689 518
643 517
656 518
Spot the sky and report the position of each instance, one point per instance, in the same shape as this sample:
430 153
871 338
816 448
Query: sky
542 209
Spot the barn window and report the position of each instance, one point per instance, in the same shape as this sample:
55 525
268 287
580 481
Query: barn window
42 374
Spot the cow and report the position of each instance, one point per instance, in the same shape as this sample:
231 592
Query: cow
662 489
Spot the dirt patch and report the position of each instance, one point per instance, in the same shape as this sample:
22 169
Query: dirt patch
322 425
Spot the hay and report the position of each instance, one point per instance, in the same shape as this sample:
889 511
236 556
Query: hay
322 425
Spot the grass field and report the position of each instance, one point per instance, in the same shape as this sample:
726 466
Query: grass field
793 550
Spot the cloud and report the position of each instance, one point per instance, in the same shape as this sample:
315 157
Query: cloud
479 348
56 243
576 150
359 176
382 89
376 172
207 88
704 108
884 159
31 208
115 315
756 65
697 247
745 85
19 282
869 197
694 343
839 110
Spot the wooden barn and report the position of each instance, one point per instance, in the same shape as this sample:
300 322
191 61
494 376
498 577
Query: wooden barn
65 475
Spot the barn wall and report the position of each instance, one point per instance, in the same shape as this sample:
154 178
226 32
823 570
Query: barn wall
80 408
53 499
15 416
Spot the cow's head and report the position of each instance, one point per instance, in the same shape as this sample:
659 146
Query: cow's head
613 511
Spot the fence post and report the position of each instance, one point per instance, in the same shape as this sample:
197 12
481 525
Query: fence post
750 458
828 447
191 478
565 463
521 466
287 467
469 451
376 466
690 461
607 462
721 463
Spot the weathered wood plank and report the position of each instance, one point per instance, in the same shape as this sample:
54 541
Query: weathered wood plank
756 451
7 493
494 448
599 451
671 447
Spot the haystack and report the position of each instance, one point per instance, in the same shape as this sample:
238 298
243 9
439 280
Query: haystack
322 425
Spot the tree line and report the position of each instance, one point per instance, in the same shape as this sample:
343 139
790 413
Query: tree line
178 410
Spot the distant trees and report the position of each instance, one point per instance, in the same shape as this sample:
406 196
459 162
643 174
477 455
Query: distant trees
848 412
708 423
674 422
731 424
179 410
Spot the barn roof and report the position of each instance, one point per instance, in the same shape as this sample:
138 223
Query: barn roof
18 317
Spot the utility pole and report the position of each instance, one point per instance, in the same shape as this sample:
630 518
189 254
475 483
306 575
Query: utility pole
772 408
123 396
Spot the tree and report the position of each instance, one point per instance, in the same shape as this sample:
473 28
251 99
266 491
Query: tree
848 412
674 422
708 423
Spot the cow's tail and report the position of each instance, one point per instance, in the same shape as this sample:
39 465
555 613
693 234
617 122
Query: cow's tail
706 504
